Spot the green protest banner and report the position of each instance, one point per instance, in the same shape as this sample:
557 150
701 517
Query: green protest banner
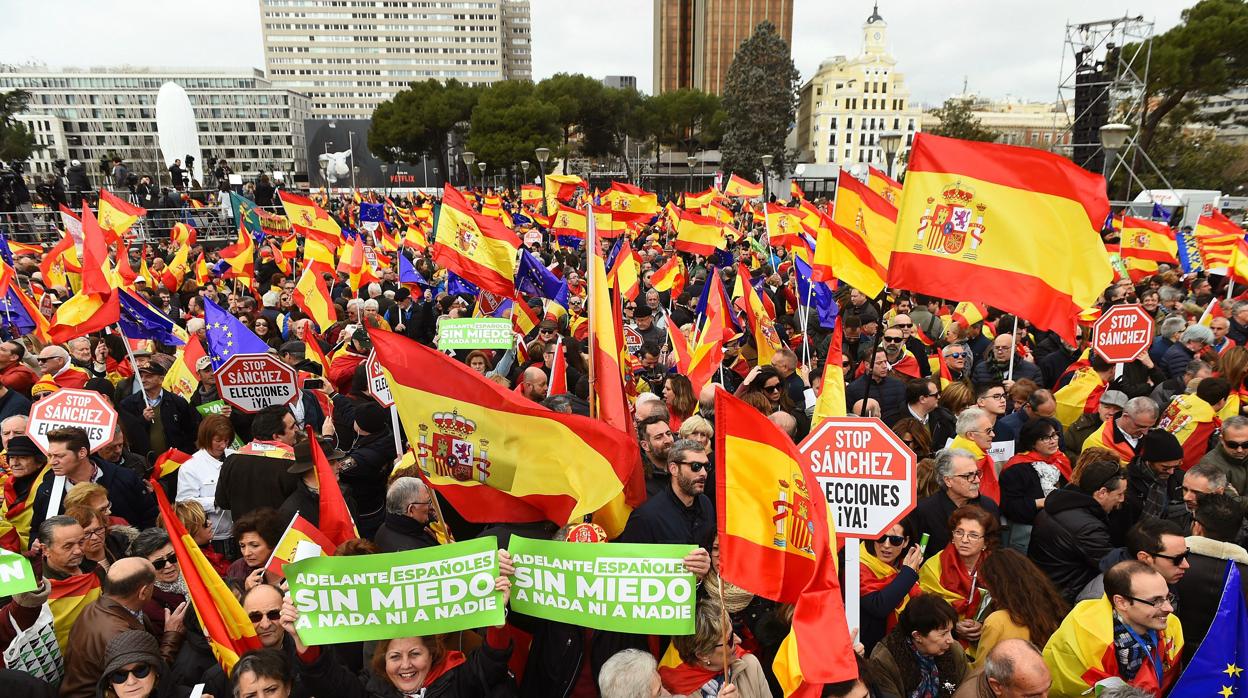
629 588
16 575
474 333
207 408
378 597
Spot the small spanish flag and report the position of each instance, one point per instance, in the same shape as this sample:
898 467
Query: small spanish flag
116 216
740 187
301 541
698 234
312 296
888 188
476 247
169 462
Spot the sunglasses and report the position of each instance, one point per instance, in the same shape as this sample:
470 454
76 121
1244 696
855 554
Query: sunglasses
122 675
903 325
892 540
1176 559
772 388
695 466
160 562
959 355
1234 445
273 615
893 340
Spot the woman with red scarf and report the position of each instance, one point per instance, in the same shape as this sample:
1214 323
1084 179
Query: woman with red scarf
1026 479
953 575
702 654
888 578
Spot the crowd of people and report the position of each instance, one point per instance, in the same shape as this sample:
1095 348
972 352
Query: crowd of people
1073 527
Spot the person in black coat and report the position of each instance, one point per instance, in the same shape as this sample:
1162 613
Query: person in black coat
169 420
1217 522
306 499
368 464
890 392
931 515
409 509
1072 534
68 449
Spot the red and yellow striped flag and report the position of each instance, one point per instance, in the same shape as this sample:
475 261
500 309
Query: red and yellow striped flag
762 324
670 277
67 599
168 462
334 516
704 198
309 219
697 234
568 222
1144 245
229 632
831 402
96 304
301 541
182 378
116 216
888 188
476 247
967 227
312 296
631 203
241 257
868 214
841 253
740 187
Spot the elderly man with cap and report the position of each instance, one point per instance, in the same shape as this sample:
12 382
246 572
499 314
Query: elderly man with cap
409 510
1180 354
14 373
27 468
306 498
643 322
168 418
207 400
367 466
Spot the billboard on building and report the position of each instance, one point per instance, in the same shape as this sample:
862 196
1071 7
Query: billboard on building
336 146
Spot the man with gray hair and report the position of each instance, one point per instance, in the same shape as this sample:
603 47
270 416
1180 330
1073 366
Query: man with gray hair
1013 668
681 512
1167 389
1239 323
630 674
959 478
59 539
1168 331
1231 455
1123 435
409 509
1199 481
1181 353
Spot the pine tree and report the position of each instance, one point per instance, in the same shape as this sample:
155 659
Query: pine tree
760 101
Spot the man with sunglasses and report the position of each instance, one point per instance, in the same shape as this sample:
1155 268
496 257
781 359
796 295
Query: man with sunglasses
1158 543
889 391
128 586
682 512
957 360
1231 454
56 367
910 342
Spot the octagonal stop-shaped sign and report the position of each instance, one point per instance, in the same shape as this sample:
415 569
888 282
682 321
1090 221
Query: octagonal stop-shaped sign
252 382
378 386
68 407
864 471
1122 333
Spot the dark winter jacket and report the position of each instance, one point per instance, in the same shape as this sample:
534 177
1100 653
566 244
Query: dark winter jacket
1199 589
400 533
1069 538
890 393
129 496
177 419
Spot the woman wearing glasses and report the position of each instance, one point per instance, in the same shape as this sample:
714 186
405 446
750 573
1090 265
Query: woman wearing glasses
953 575
133 668
1026 479
701 671
888 578
102 545
153 545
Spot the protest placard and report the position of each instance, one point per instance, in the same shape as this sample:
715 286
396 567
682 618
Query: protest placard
406 594
16 575
630 588
474 333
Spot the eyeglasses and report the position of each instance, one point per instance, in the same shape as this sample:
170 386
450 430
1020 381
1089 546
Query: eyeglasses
893 340
45 359
1178 560
420 504
892 540
694 465
903 325
773 388
1235 445
122 675
273 615
546 331
989 431
967 535
95 533
970 477
161 562
935 394
1167 600
1046 437
995 396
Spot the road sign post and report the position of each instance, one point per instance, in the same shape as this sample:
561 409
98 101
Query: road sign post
868 478
252 382
379 387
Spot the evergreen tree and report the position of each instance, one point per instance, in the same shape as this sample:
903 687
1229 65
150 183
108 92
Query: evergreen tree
760 101
16 141
958 121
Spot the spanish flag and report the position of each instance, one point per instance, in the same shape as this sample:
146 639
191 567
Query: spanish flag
19 506
116 216
561 188
334 516
776 540
182 234
784 224
888 188
1144 245
742 188
176 270
670 277
241 257
312 297
831 402
989 486
680 347
762 324
96 304
625 273
1082 395
843 254
568 222
607 226
631 203
795 192
697 201
494 455
531 195
1216 234
1082 652
868 214
182 378
67 600
1192 421
476 247
968 313
697 234
310 220
708 352
52 267
967 227
229 632
301 541
168 462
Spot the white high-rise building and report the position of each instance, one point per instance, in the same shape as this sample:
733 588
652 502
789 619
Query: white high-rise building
351 55
849 102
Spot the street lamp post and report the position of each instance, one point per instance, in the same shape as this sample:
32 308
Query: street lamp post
355 170
481 166
524 165
767 159
469 158
890 141
691 161
543 154
384 169
1113 138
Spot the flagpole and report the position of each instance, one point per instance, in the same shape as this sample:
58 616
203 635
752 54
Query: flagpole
394 426
134 364
1013 348
853 599
726 622
591 235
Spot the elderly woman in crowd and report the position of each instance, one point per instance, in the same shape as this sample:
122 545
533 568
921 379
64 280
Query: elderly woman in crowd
953 575
920 657
702 655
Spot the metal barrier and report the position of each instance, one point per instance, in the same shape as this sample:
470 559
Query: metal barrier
43 226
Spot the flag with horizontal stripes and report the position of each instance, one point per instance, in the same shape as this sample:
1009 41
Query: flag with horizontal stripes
868 214
741 187
476 247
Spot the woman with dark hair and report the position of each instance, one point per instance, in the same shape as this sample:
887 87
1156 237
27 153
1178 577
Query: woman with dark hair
478 360
153 545
1026 479
915 436
888 578
681 402
256 533
766 381
266 330
1025 604
920 658
953 574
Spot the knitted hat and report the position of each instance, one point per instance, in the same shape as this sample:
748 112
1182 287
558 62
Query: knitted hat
129 647
372 417
22 446
1159 446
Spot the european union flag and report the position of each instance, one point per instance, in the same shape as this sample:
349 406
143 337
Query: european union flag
372 213
5 253
139 320
533 278
1160 213
408 273
227 336
1218 667
15 314
818 293
456 285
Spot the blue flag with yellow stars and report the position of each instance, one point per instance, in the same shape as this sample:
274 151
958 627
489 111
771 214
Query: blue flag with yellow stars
1217 668
227 336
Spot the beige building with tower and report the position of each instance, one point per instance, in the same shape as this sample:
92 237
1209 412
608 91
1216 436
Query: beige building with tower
695 40
849 102
351 55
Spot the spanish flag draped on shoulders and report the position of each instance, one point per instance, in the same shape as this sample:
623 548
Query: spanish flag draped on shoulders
945 576
67 600
1106 436
1082 652
874 575
19 498
1080 396
1193 421
988 484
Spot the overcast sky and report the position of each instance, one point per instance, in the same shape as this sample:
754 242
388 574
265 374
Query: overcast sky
1001 47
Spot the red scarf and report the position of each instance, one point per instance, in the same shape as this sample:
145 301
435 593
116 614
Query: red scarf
686 678
953 576
452 659
1057 460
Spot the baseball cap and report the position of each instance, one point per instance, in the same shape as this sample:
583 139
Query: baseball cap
204 363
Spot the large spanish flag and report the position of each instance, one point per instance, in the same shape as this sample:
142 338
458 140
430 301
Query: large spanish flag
229 632
888 188
841 253
312 296
496 456
310 220
568 222
96 304
743 188
868 214
697 234
967 228
67 599
776 540
631 203
117 215
561 188
476 247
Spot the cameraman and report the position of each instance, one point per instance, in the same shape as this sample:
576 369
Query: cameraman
79 184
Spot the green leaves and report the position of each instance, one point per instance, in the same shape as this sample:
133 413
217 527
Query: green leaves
958 121
16 141
760 102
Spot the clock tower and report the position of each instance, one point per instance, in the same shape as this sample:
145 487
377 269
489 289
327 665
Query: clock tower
874 32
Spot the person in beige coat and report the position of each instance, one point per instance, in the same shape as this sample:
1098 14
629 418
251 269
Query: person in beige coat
702 657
